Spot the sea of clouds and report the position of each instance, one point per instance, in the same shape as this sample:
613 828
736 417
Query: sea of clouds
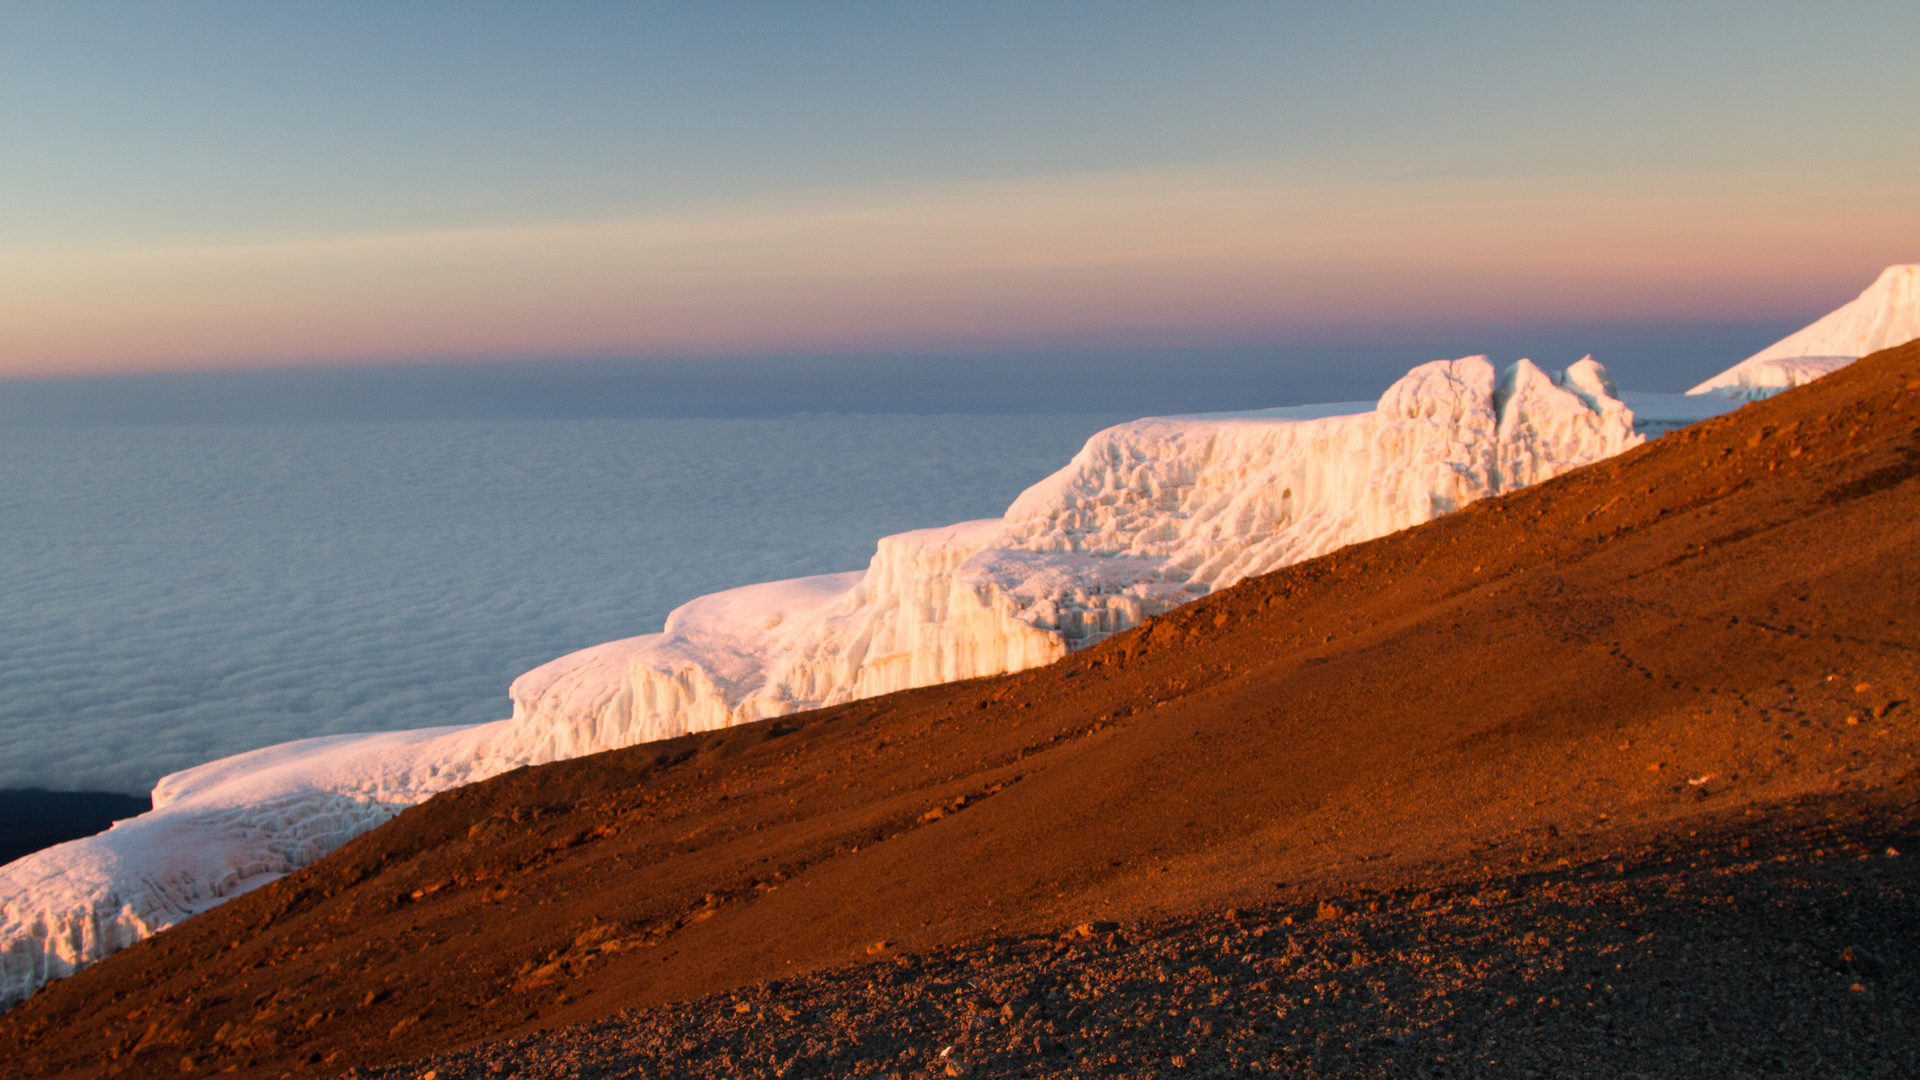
173 594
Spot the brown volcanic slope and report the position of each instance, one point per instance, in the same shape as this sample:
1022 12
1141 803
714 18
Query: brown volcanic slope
1724 619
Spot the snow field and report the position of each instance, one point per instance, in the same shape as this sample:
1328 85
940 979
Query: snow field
1885 315
1147 516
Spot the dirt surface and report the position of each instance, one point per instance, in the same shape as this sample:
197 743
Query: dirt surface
1782 947
1718 622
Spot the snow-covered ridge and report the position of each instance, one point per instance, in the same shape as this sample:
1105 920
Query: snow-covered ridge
1885 315
1147 516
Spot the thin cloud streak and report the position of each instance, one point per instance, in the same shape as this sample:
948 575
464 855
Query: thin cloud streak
1228 254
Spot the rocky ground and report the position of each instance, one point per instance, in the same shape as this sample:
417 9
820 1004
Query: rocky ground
1787 950
1637 668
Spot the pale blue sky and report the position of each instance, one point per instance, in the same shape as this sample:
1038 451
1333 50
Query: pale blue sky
148 144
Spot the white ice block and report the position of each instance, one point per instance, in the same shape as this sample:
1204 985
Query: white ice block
1885 315
1147 516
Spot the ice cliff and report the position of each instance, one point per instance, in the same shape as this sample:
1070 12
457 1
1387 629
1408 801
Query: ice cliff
1885 315
1147 516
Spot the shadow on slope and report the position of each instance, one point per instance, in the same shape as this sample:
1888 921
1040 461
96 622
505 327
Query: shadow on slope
1773 947
1717 621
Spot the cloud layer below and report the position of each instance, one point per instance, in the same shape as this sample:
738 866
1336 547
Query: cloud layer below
170 595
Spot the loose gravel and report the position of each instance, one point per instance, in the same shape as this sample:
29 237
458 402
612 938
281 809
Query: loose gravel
1709 962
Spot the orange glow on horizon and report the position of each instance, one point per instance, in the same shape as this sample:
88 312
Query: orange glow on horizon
1165 257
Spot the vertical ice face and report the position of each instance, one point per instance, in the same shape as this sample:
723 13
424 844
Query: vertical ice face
1146 517
216 831
1885 315
710 658
1551 423
1207 501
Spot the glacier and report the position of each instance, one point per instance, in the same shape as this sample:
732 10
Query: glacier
1147 516
1885 315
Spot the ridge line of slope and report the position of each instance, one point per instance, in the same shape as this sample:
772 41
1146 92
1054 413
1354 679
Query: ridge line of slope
1389 744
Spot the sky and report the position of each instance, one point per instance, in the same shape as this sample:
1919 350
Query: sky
217 186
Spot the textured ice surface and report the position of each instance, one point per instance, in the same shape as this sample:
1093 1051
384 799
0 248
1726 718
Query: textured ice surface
1885 315
1146 516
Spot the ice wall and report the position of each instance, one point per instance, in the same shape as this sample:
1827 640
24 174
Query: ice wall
1885 315
1147 516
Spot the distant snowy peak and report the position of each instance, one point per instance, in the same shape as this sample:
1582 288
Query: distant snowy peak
1887 314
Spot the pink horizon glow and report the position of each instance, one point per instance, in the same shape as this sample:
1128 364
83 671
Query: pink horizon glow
1145 258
